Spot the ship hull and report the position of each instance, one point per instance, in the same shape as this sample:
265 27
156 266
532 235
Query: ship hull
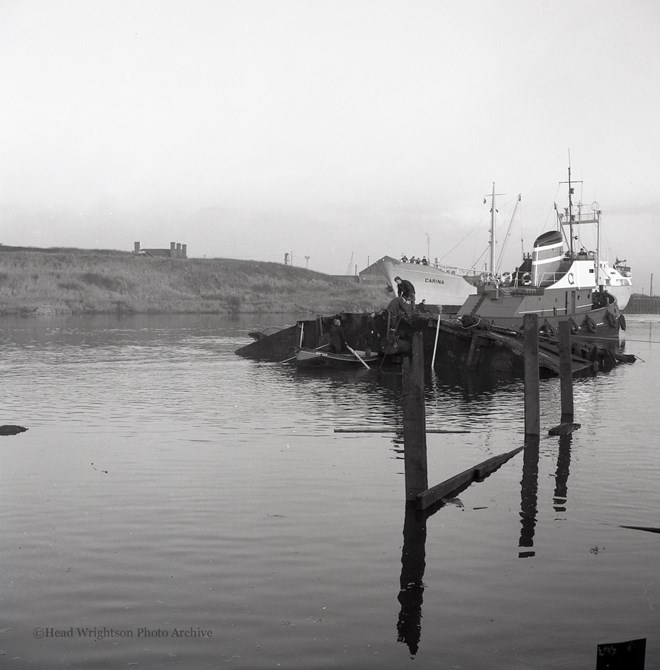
437 286
505 308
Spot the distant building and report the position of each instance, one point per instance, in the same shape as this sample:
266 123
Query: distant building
176 250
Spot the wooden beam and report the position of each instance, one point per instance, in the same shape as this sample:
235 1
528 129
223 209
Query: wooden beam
450 487
392 430
10 429
564 429
648 529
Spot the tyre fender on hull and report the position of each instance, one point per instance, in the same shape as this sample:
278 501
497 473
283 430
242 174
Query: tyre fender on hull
589 324
612 319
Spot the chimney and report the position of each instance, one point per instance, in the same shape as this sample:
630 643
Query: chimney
184 251
136 247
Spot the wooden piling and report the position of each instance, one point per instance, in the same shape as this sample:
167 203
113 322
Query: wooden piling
566 372
531 346
566 382
414 421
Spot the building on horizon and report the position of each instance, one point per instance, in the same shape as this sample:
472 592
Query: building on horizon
176 250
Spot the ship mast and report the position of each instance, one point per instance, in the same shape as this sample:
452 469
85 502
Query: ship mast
492 231
580 219
569 212
570 208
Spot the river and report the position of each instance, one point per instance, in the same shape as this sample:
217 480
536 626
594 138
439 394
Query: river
173 505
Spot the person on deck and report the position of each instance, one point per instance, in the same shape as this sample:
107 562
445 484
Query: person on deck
337 337
405 289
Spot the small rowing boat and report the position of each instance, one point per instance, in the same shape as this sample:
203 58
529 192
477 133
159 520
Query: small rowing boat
330 359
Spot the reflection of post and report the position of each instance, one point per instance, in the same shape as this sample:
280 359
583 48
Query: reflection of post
528 498
561 475
414 421
413 563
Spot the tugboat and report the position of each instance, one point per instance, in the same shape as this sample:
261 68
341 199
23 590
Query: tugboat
554 283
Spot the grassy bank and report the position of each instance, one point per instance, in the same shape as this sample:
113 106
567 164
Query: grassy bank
78 281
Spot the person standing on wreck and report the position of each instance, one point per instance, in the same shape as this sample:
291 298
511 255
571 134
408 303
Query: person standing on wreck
406 289
337 337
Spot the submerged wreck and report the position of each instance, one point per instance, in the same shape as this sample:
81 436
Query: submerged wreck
451 342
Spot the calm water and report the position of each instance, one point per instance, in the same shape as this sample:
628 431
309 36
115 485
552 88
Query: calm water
175 506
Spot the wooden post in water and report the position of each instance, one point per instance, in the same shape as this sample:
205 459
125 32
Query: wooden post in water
565 372
531 348
566 381
414 421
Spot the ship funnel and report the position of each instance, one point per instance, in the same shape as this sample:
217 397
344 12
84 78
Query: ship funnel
546 257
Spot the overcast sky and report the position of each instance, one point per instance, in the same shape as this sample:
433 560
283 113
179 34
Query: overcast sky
330 129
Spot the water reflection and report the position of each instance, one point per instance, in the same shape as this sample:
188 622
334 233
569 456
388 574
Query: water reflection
561 474
413 564
529 485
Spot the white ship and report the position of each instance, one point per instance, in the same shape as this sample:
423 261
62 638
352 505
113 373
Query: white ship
434 283
450 286
556 283
617 280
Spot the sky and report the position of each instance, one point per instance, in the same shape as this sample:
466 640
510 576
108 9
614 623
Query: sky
337 131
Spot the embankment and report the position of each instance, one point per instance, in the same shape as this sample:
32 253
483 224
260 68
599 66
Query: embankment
643 304
79 281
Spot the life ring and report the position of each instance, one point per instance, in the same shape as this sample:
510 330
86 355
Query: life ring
589 324
506 278
571 278
526 279
622 322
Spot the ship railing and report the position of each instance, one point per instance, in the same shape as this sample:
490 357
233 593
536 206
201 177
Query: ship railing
579 217
456 270
511 289
521 290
